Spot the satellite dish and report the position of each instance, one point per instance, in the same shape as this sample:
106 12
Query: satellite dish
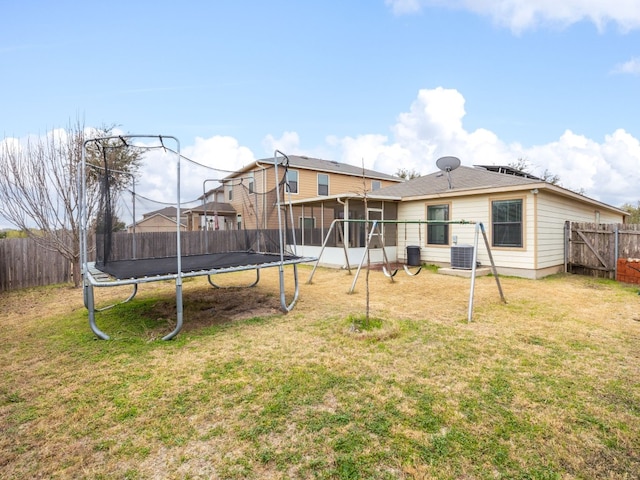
446 164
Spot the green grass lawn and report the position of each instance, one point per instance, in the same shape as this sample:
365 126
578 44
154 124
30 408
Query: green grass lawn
545 387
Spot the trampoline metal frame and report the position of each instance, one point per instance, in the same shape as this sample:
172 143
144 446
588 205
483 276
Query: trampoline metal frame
93 277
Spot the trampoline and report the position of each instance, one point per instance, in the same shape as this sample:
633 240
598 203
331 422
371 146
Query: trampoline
207 264
102 185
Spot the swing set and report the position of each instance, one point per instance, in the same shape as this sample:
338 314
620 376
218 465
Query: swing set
376 231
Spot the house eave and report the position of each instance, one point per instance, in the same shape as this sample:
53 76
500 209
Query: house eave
345 196
540 186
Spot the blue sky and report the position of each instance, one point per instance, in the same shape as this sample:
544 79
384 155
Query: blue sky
393 84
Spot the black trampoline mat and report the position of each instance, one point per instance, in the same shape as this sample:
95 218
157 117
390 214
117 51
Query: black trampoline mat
150 267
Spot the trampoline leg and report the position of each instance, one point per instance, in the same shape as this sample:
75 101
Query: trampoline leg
284 306
179 311
90 304
129 298
214 285
85 295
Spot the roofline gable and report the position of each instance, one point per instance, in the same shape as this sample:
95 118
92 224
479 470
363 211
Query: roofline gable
145 219
317 165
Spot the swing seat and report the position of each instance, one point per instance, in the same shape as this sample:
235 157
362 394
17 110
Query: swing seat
387 273
410 273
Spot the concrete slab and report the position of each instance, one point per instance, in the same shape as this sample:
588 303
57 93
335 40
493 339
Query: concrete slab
480 272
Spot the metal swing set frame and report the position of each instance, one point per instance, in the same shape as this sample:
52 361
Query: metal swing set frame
390 273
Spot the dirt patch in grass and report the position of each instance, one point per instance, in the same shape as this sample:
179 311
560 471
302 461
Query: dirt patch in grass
543 387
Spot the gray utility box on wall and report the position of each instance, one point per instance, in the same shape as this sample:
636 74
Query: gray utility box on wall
462 257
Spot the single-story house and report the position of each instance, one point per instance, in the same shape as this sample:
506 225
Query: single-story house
163 220
524 218
156 222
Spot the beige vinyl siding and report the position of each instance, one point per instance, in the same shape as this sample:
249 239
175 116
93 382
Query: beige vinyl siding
338 183
477 209
553 211
264 180
156 223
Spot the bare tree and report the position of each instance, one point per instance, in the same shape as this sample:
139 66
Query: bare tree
634 210
407 174
523 165
39 188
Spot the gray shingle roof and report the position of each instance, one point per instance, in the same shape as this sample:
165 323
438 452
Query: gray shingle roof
169 212
309 163
463 178
211 207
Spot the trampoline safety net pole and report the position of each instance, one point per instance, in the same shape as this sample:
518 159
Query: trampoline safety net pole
179 306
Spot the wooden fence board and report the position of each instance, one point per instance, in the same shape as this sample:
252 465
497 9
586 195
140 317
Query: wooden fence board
591 247
24 263
163 244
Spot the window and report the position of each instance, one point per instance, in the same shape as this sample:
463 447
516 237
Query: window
323 184
506 220
230 192
251 182
292 181
437 234
307 222
376 185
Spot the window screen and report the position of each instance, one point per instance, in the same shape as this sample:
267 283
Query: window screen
506 219
437 234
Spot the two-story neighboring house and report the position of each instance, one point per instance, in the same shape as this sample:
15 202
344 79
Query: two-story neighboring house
251 194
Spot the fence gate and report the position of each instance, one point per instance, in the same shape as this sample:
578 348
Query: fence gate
594 248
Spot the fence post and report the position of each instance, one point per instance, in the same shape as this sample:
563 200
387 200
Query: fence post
616 251
567 240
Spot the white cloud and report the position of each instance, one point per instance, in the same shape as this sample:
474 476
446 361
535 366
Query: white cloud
214 158
373 152
520 15
220 152
630 67
401 7
433 127
288 142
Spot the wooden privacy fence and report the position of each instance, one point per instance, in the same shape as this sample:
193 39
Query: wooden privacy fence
24 263
163 244
593 249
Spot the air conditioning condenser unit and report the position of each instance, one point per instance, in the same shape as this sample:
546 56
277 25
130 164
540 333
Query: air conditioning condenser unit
462 257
